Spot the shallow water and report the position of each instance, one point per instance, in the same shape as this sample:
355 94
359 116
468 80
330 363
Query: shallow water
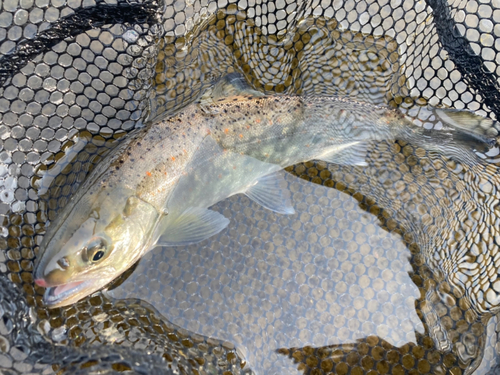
327 275
336 272
390 268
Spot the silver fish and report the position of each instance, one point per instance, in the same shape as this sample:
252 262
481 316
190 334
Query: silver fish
156 187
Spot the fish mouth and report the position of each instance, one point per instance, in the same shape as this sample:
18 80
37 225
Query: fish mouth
56 296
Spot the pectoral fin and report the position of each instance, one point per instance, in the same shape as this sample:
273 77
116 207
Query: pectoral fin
268 193
353 153
191 226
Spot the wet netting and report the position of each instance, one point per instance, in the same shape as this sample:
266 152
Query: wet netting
386 269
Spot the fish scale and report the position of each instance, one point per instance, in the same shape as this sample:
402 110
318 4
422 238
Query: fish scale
152 162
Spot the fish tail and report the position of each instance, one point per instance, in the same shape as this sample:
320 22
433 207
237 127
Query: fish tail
462 136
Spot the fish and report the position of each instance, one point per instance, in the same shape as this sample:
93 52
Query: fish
156 187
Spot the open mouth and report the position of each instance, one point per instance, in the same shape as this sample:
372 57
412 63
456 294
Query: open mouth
55 294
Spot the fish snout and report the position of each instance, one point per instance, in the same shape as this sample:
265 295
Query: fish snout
41 282
52 273
51 277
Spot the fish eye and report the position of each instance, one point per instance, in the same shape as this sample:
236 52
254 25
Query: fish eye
95 250
98 255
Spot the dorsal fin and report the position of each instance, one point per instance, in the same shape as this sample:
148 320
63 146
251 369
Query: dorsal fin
228 88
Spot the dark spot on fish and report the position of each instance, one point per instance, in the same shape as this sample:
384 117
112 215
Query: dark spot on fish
132 160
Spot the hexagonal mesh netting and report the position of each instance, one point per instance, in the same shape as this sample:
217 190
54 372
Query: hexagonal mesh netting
390 268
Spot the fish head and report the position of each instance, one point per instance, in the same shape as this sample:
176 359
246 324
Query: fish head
93 242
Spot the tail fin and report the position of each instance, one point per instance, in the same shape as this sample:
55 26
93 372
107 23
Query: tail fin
477 131
463 135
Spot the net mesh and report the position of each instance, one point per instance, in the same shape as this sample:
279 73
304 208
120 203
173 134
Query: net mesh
75 76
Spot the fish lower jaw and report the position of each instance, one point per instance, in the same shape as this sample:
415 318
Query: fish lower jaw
57 296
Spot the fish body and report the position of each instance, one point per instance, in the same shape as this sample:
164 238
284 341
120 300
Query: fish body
157 186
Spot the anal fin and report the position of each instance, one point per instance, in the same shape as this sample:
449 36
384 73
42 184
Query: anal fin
353 153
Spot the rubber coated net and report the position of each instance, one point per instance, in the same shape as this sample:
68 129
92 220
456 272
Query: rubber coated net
391 269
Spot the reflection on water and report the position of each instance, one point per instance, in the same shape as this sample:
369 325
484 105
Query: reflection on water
392 267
